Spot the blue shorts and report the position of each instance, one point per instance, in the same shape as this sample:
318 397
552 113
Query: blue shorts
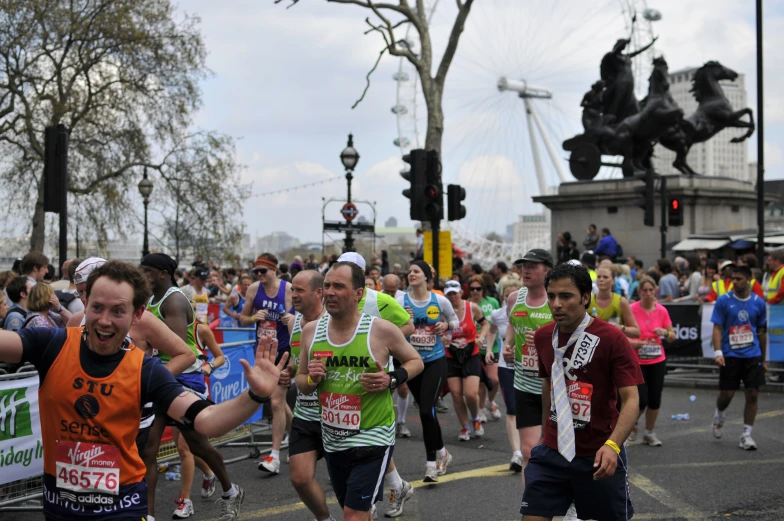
357 475
552 483
506 382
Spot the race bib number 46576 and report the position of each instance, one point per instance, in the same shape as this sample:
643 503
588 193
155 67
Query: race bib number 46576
88 467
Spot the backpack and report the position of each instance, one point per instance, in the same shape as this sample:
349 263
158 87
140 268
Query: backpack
65 298
618 250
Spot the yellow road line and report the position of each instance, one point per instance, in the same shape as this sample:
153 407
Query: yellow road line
664 497
712 464
484 472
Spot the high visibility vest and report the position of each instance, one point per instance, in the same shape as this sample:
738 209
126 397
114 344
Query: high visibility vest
592 273
720 289
774 284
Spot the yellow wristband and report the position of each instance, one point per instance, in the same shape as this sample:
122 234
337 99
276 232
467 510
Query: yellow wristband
614 446
310 381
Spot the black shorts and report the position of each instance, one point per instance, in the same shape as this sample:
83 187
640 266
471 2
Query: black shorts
305 437
472 366
357 475
506 382
552 483
282 350
528 409
736 369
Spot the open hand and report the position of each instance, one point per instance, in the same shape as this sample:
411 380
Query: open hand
263 377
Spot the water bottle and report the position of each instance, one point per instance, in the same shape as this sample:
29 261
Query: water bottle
685 416
173 476
177 469
163 467
692 398
593 311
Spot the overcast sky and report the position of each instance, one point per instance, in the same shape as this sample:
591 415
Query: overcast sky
285 79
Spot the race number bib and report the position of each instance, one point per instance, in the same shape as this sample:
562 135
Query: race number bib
424 338
530 361
87 468
650 350
341 414
580 394
741 336
267 328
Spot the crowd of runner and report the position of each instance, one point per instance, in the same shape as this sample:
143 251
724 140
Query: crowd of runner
575 347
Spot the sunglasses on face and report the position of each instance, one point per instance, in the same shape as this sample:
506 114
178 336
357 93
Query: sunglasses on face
261 271
475 288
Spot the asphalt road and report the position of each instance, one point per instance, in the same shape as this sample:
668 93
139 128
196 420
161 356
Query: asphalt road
692 477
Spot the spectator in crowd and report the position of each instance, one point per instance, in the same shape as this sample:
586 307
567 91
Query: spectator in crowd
50 274
669 287
63 283
45 309
588 260
564 242
198 262
775 263
283 272
694 279
591 240
384 262
312 264
396 269
370 283
375 273
5 279
34 266
710 273
477 269
420 245
506 278
722 286
607 245
574 253
391 286
3 308
18 290
179 278
297 265
69 297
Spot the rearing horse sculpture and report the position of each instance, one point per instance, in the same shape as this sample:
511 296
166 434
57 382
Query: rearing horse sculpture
713 115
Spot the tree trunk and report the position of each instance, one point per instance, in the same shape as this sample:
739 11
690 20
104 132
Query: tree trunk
38 235
435 116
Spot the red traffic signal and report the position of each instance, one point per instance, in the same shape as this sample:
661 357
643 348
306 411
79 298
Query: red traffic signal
675 213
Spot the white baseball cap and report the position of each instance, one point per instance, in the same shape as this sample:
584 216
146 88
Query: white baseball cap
452 286
575 262
86 267
354 258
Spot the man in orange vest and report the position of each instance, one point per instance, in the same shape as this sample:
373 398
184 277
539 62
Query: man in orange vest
93 383
720 287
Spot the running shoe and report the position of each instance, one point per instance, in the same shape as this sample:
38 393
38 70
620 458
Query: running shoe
516 465
373 512
478 430
431 474
398 498
440 405
403 432
208 486
230 507
465 435
481 416
269 464
718 427
633 435
571 514
495 412
184 508
651 440
443 463
746 442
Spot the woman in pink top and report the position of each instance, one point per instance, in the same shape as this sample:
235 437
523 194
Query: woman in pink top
655 325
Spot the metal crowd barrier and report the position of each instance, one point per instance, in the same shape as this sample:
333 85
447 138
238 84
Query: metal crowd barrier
26 494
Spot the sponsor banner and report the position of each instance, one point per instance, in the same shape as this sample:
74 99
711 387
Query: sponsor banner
775 333
687 323
228 381
21 451
706 336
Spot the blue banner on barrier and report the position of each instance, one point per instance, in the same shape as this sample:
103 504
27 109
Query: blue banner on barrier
776 333
228 381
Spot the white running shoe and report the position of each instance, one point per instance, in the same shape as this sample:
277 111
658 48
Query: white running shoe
516 465
478 430
402 431
482 416
208 486
269 464
373 512
431 474
184 508
718 427
465 435
571 514
398 498
746 442
632 435
495 412
651 440
443 463
230 507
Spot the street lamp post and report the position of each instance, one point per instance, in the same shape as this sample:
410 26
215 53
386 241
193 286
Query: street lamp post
349 157
145 189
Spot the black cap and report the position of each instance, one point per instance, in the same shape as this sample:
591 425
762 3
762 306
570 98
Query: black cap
589 259
537 255
202 273
162 262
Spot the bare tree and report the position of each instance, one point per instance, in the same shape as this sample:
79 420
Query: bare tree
387 17
122 75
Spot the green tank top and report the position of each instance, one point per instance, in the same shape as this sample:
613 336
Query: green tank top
307 405
350 417
525 318
155 309
612 313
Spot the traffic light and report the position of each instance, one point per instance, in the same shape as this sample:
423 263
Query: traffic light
648 191
455 195
416 176
434 192
675 211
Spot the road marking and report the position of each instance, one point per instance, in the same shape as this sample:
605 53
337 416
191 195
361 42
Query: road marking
712 464
701 430
664 497
484 472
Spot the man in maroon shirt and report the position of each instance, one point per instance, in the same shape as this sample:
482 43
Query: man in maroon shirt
585 462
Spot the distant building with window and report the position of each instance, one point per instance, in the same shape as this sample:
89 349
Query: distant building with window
532 230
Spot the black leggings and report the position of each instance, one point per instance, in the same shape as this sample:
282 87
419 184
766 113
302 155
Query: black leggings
651 390
425 388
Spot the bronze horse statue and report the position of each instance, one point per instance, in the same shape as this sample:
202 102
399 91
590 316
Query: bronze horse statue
713 115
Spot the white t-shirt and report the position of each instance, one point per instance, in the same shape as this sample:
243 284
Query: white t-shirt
500 319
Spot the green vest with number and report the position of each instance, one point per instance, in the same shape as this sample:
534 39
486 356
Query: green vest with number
351 417
307 405
155 309
524 318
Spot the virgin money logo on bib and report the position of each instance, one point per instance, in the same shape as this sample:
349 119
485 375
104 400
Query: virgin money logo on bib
433 312
14 414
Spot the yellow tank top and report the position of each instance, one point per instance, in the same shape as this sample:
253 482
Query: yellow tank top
612 313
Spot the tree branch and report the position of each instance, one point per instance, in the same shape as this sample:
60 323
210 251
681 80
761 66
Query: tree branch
454 37
367 77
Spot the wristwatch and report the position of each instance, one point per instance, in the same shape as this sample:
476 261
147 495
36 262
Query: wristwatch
392 381
212 366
